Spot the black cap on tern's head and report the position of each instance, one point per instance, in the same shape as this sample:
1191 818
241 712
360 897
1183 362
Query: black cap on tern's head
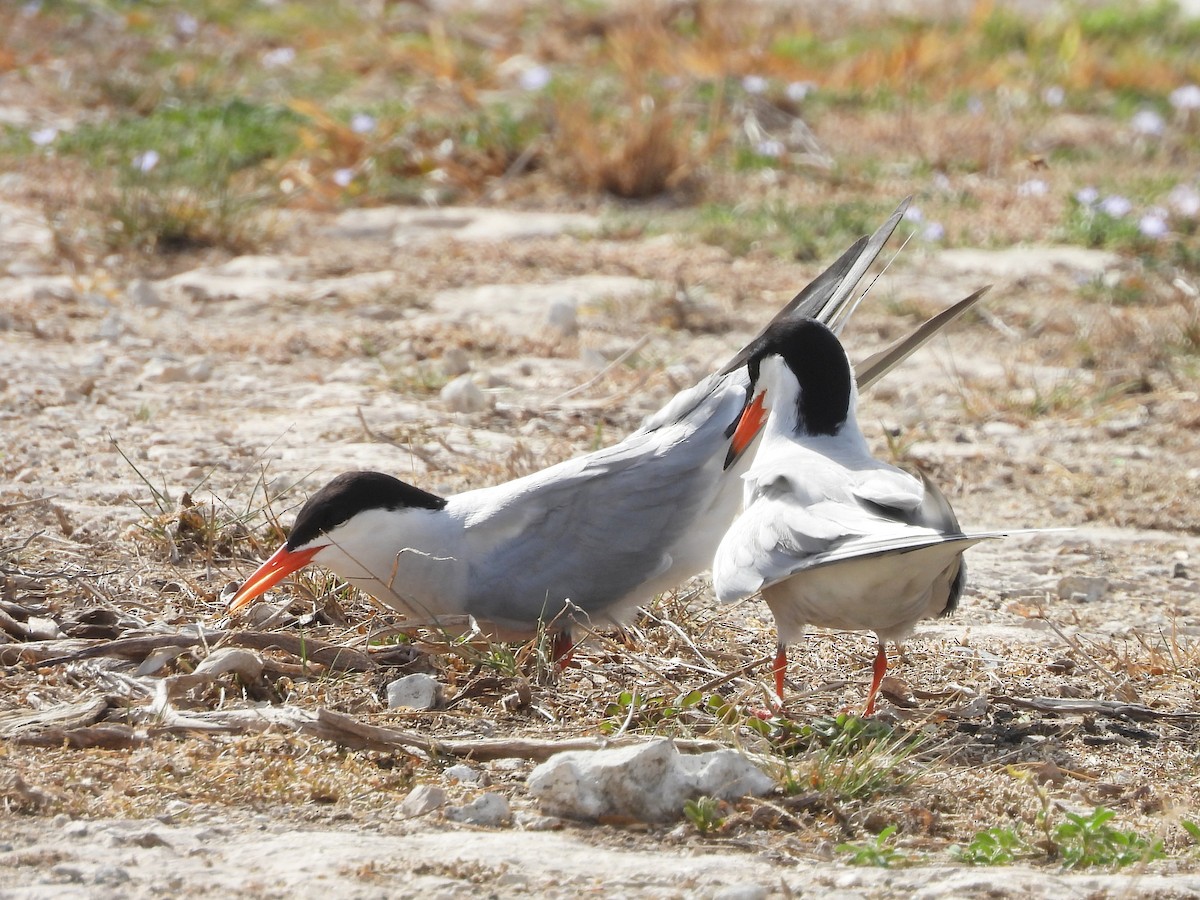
817 359
350 494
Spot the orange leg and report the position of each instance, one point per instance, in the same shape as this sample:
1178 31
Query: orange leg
561 648
779 667
880 669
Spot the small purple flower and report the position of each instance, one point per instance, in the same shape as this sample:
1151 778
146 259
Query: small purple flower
343 177
914 214
1153 226
798 90
535 78
43 137
279 57
32 8
771 148
1054 95
1147 122
1034 187
1184 200
186 25
1087 196
934 232
975 106
1186 98
1116 206
146 161
361 123
754 84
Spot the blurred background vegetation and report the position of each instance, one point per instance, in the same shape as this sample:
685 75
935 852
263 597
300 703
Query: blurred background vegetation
156 127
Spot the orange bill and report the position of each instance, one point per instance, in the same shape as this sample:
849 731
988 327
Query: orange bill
748 427
283 562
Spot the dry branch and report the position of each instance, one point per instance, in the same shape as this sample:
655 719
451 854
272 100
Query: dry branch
59 652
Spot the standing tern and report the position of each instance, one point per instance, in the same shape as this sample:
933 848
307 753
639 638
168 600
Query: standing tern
830 535
596 535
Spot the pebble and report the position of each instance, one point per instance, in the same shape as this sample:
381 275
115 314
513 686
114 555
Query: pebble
454 362
464 774
65 872
162 370
110 875
563 317
487 809
1082 588
245 663
422 799
417 691
142 293
746 890
462 395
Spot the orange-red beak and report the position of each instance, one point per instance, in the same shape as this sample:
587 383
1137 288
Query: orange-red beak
747 429
283 562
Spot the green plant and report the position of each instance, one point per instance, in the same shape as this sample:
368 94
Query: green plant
994 847
1083 841
704 813
849 758
877 852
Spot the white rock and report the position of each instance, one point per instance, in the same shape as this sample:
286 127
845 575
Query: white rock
142 293
464 774
1082 588
487 809
648 781
253 266
417 691
422 799
462 395
246 663
164 370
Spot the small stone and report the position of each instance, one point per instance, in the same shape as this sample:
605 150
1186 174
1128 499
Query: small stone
64 872
462 395
488 809
142 293
1000 429
25 476
417 691
112 327
746 890
1082 588
465 775
563 317
454 362
422 799
245 663
1180 571
76 829
110 875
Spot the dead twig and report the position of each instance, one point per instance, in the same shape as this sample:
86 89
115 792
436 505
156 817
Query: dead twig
1113 708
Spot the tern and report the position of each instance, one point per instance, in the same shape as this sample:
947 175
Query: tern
830 535
593 536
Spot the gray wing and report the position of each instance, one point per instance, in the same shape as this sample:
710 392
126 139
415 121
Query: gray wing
596 529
